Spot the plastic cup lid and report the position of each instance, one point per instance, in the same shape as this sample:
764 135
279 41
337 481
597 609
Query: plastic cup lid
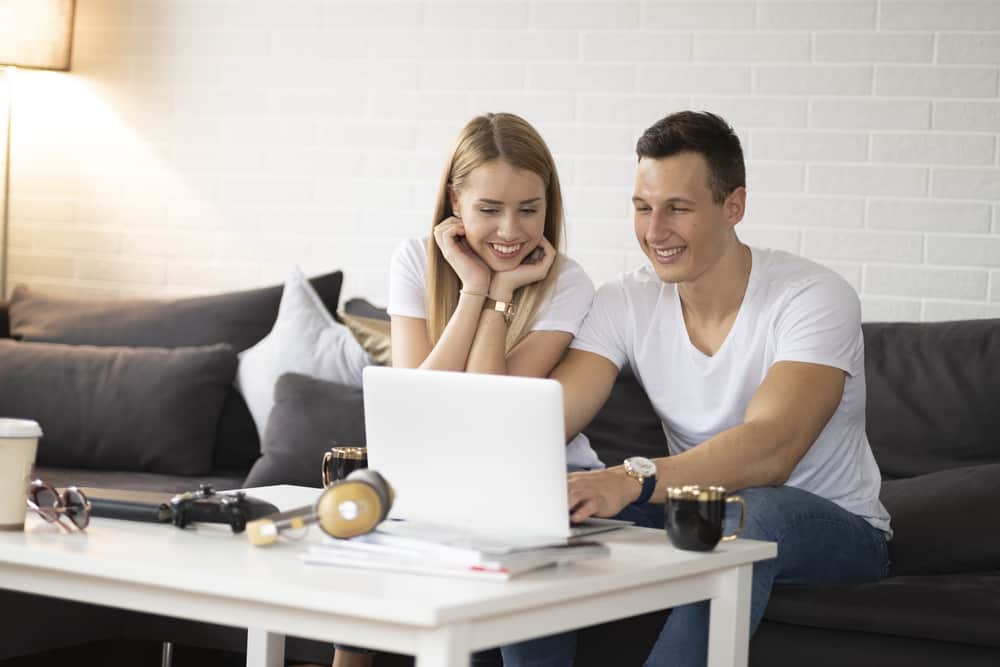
19 428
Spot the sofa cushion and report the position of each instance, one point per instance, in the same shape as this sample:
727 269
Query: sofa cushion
960 608
364 308
116 408
626 425
370 325
238 318
788 645
932 395
940 521
309 417
372 334
305 339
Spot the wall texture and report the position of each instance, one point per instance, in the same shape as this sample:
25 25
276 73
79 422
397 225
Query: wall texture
203 145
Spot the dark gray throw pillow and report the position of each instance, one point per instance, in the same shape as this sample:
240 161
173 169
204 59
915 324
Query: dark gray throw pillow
240 319
364 308
943 522
308 418
116 408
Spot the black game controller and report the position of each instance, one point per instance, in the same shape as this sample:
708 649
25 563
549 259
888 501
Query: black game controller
205 505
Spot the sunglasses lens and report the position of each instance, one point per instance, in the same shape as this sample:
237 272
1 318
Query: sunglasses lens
45 499
76 507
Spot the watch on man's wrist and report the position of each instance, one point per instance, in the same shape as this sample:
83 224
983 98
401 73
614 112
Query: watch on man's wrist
643 471
506 308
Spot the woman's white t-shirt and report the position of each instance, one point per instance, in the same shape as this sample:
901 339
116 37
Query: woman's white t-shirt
564 310
793 310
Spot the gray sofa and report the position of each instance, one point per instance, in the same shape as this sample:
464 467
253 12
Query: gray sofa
933 421
53 374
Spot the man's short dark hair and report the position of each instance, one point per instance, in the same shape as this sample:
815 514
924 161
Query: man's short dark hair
703 133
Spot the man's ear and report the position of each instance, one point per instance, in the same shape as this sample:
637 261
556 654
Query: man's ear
735 206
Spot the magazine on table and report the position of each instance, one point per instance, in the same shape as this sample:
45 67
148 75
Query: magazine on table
446 552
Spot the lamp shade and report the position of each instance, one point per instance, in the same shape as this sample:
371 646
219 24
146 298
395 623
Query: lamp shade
36 33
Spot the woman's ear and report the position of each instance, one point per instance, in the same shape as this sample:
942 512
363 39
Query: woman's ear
453 196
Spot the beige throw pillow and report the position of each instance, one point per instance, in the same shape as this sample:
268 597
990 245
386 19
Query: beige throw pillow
372 334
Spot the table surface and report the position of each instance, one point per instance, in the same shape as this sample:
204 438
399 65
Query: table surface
209 560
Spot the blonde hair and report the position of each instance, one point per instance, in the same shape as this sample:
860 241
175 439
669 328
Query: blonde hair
507 137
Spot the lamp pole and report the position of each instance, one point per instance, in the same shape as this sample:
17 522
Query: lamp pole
4 240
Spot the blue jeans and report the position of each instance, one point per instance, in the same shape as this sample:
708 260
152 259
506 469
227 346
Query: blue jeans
818 543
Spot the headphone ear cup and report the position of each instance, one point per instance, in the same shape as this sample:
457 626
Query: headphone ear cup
350 508
379 483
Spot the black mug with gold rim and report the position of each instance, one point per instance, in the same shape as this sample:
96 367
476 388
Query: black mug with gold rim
694 515
341 461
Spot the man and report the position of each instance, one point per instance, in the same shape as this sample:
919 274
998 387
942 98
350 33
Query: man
754 361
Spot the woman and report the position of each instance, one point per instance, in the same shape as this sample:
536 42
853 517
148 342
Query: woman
489 291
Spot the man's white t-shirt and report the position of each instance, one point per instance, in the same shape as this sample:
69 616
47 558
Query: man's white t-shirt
564 310
793 310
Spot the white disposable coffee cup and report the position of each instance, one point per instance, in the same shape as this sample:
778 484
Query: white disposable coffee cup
18 445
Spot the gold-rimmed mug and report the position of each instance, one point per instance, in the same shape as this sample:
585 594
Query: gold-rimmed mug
694 516
341 461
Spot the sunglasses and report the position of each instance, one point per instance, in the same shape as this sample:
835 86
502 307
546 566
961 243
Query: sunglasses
52 505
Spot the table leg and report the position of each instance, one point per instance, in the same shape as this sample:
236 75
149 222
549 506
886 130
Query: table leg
729 619
444 647
265 649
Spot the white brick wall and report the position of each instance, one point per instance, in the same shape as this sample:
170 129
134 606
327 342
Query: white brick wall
204 145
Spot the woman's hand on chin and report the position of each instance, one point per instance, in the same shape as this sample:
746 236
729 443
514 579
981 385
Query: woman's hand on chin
534 268
472 271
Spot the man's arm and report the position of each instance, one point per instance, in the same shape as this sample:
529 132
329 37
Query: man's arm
586 379
785 416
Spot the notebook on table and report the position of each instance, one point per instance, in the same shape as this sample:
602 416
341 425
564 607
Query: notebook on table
483 453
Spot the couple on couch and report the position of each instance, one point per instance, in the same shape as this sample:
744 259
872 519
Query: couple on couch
753 358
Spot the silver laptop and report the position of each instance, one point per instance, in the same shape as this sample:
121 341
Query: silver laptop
484 453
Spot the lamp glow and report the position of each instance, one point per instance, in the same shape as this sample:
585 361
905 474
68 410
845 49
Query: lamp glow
36 34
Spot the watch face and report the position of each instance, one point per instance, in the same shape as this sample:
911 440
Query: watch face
642 466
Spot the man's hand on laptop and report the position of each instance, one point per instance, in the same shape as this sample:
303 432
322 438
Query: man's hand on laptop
602 493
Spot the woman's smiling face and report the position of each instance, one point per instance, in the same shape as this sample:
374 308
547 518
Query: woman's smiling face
503 211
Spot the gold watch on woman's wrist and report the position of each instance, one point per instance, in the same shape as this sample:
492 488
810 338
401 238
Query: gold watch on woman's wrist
504 307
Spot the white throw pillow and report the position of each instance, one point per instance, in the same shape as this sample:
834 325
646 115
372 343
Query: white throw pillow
305 339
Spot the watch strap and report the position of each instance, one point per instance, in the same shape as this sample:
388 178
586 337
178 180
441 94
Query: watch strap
505 308
648 486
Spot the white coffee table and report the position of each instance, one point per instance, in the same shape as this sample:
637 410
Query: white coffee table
209 574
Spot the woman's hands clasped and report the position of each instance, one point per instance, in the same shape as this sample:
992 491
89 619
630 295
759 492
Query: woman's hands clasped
473 272
534 268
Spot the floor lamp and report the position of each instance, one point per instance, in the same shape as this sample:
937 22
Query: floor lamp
34 34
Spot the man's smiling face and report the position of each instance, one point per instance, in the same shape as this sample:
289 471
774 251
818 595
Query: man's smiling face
679 226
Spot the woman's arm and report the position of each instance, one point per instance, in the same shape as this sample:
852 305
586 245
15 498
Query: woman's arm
411 344
535 356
